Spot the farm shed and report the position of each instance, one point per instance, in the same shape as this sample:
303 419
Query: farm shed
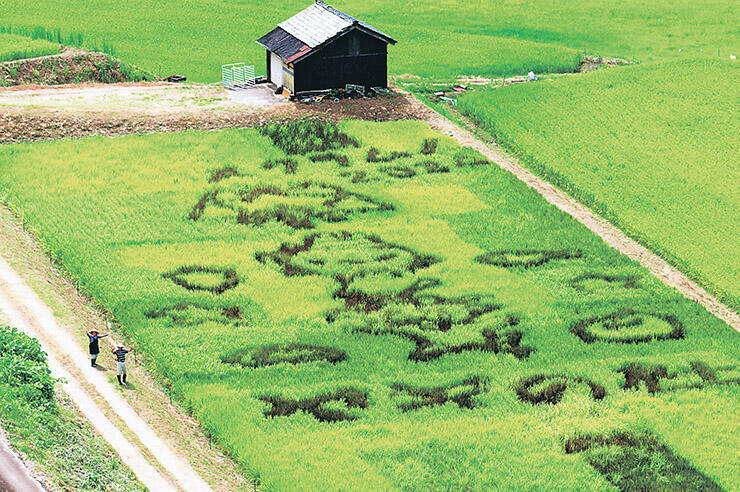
322 48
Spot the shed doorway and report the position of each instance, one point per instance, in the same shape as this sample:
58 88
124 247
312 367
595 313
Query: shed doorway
276 70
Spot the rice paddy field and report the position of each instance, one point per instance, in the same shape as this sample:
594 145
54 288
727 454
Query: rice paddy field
373 306
441 38
17 47
653 147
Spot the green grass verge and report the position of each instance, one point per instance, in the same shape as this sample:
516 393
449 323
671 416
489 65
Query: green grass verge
46 428
15 47
657 159
439 37
421 321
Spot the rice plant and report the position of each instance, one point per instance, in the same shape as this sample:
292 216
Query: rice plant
446 330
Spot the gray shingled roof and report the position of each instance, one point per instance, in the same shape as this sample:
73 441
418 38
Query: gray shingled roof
310 28
315 25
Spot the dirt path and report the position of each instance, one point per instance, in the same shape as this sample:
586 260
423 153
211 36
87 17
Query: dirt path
135 99
14 476
27 312
601 227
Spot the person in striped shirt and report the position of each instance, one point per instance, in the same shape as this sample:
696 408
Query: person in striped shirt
120 352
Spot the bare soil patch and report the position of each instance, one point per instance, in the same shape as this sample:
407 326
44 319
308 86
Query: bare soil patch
46 114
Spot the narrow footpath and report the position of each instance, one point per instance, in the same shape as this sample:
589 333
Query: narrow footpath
90 390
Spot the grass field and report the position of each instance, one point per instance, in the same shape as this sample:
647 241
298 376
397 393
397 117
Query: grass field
46 427
15 47
653 147
475 38
372 306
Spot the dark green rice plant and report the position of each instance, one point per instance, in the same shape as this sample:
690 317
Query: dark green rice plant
550 388
341 160
629 326
226 277
291 353
289 165
461 393
303 136
319 406
638 461
429 146
375 155
190 313
526 258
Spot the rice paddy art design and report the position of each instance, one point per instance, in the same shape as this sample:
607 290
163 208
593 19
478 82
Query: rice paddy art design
638 461
437 325
550 389
624 281
299 205
656 378
190 314
629 326
340 405
292 353
346 256
526 258
216 280
463 393
289 166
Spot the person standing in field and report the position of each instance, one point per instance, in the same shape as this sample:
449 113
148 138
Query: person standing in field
120 352
94 336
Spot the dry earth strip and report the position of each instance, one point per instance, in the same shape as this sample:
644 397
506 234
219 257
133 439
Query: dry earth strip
43 113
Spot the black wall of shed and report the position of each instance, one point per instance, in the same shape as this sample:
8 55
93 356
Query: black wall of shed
354 58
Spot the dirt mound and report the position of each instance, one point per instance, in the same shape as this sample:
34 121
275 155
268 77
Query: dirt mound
590 63
70 67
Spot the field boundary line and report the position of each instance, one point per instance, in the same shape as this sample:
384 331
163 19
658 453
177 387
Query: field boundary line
31 315
612 235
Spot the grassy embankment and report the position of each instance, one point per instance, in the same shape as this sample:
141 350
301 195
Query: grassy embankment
413 318
45 426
